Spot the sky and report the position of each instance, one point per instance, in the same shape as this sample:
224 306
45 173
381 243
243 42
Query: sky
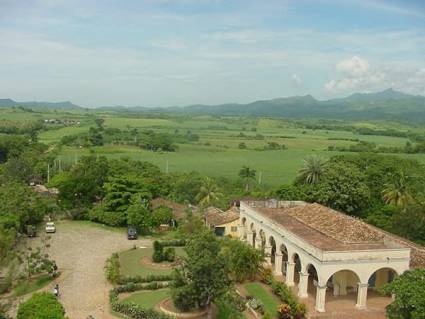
183 52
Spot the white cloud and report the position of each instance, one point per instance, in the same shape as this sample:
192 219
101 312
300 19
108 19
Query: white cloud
353 67
357 75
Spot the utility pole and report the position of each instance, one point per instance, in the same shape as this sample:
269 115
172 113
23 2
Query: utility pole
48 173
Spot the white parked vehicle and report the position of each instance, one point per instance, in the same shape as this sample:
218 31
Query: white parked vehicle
50 227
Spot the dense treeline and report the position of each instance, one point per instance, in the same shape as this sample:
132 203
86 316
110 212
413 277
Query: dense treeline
147 139
364 146
414 137
21 162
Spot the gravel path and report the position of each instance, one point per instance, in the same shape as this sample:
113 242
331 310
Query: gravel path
80 251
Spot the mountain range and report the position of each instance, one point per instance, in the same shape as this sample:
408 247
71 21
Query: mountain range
387 104
38 105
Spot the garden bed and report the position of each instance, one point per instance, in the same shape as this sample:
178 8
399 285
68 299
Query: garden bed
148 298
261 293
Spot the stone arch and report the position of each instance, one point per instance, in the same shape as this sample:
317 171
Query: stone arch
344 284
285 257
313 279
273 247
263 239
295 258
254 234
380 277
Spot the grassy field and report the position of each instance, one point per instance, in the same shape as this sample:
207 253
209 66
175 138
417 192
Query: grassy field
148 298
270 301
217 152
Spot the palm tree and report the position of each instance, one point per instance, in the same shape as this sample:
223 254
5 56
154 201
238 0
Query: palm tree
312 170
247 174
396 192
208 192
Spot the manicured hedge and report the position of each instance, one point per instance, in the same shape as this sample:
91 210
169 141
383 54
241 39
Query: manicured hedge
112 268
131 286
140 279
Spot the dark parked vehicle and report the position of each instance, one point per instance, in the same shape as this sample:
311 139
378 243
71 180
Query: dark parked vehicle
131 232
31 231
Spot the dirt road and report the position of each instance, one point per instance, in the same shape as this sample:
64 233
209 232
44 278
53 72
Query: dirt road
80 251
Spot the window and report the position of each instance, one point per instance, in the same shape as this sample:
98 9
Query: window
234 229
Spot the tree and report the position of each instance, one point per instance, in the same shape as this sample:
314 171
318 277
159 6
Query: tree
203 275
41 306
396 192
208 192
161 215
409 291
83 184
138 215
342 187
313 169
247 174
99 122
244 261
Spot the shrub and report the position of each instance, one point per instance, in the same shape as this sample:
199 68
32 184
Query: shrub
298 310
257 305
40 306
139 279
169 254
112 268
159 254
284 311
230 306
131 286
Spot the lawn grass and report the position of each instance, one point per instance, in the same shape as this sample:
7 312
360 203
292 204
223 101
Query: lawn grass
270 301
26 286
148 298
131 266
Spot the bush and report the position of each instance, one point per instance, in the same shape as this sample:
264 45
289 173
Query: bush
297 310
230 306
41 306
257 305
139 279
131 286
169 254
112 268
160 254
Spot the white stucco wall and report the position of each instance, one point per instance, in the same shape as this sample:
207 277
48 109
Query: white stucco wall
362 262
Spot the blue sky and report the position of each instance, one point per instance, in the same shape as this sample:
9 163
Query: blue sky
180 52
